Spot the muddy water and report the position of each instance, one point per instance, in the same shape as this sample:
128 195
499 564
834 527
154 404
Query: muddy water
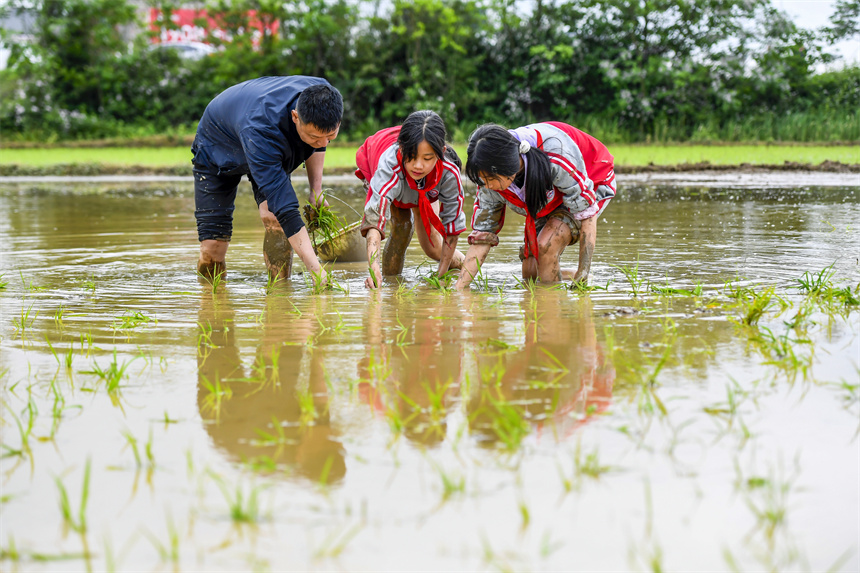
274 429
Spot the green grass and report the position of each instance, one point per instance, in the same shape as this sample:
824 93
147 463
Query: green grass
344 157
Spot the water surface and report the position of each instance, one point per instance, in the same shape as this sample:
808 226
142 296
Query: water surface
264 427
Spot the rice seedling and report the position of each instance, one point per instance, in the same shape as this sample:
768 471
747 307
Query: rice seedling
582 287
321 218
112 374
24 321
261 464
779 351
452 484
132 443
59 315
436 398
525 514
402 333
754 305
243 505
525 284
278 438
372 260
481 280
51 348
273 282
403 291
336 542
728 411
3 283
217 394
57 409
167 551
819 286
552 363
90 284
767 497
589 465
631 273
322 481
204 340
325 280
307 409
813 283
214 281
88 338
132 319
508 422
495 346
23 432
29 286
441 284
670 290
10 552
75 523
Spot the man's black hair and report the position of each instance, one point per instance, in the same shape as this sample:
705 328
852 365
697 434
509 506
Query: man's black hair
321 105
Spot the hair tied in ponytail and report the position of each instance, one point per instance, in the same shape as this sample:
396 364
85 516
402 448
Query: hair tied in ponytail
524 147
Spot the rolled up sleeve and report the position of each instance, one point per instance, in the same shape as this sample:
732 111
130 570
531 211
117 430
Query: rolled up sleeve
489 213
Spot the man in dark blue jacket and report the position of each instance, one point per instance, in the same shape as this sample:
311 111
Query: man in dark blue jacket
263 128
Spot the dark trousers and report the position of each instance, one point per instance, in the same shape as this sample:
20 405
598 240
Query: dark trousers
214 199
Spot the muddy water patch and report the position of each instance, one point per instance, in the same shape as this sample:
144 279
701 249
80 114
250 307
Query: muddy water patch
709 420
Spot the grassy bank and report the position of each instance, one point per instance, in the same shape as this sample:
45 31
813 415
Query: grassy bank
177 159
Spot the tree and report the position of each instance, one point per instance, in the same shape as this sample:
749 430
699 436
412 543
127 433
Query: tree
845 21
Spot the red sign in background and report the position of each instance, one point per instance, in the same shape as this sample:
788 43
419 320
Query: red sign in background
186 27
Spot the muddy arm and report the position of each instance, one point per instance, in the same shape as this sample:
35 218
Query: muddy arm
373 239
314 167
449 247
587 240
474 258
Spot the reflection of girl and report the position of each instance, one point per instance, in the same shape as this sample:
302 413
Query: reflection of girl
560 178
411 167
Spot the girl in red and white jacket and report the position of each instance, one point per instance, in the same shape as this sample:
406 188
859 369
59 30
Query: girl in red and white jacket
409 169
559 177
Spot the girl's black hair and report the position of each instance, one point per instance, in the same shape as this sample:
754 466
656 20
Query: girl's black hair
493 151
424 125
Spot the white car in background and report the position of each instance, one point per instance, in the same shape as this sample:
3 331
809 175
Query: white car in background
187 50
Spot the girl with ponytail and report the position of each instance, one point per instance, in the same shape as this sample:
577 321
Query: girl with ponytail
409 170
560 178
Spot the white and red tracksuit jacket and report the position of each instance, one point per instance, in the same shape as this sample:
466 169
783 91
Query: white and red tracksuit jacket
380 163
583 181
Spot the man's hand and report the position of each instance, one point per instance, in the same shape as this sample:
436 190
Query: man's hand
318 199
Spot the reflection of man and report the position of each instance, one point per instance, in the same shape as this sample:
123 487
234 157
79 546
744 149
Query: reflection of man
559 376
276 410
263 128
412 375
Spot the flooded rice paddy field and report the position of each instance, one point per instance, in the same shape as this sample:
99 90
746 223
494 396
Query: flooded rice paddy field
698 410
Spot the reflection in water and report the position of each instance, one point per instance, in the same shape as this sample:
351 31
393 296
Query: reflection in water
412 378
473 378
273 413
556 380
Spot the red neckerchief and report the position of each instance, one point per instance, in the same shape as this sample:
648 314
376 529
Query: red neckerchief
428 216
530 237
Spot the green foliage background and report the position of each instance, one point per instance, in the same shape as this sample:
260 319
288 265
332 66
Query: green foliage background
625 70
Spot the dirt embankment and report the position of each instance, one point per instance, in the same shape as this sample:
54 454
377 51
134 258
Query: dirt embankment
90 169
